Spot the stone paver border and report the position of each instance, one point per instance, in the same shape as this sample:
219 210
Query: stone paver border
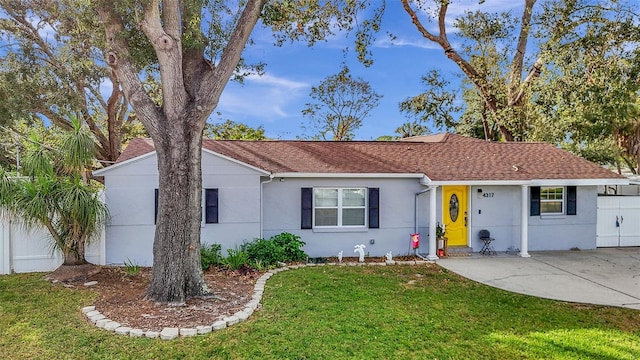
102 322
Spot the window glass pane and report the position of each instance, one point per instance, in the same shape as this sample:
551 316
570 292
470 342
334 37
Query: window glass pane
551 207
353 197
551 200
551 193
353 217
326 217
326 197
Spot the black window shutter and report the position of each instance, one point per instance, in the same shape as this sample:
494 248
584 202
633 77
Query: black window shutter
534 208
374 208
155 216
306 208
211 206
572 203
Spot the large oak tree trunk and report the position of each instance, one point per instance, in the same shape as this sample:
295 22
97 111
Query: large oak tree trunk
176 270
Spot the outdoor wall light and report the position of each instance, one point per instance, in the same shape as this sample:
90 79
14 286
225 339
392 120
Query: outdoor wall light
372 241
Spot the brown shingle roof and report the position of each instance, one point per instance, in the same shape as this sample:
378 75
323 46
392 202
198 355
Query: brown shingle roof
449 158
135 148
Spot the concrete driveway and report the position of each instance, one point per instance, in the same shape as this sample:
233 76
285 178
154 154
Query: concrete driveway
604 276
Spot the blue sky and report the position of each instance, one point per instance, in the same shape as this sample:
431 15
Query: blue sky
276 99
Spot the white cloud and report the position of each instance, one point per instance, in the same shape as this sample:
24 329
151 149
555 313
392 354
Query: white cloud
274 81
266 97
386 42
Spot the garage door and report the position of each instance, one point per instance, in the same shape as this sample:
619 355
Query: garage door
618 221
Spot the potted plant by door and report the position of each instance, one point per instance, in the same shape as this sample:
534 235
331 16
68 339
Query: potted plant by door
441 240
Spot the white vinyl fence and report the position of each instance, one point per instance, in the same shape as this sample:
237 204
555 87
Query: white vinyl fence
31 251
618 221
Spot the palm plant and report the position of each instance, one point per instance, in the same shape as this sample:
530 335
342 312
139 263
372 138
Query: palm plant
57 194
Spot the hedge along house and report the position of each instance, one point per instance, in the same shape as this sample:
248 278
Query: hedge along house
335 195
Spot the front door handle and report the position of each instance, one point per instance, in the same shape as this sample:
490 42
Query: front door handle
465 219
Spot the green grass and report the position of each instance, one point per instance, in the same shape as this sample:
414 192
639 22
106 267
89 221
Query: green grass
398 312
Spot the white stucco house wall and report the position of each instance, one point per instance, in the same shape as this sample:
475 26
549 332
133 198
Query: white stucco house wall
334 195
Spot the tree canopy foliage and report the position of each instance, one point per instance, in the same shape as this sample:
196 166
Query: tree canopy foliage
52 68
339 105
412 128
436 105
589 99
231 130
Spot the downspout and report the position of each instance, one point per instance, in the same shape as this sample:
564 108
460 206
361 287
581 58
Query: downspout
262 204
417 218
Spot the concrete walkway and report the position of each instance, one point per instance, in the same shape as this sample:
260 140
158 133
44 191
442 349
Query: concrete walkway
604 276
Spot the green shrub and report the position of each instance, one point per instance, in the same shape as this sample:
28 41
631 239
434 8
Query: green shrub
291 245
283 247
264 251
236 259
211 256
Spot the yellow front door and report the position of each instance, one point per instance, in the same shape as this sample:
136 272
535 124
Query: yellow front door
454 214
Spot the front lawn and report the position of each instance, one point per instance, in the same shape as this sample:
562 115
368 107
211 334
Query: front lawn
329 312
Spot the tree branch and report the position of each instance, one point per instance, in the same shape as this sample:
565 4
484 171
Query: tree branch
518 58
171 14
194 63
114 120
215 81
534 73
166 43
54 117
442 15
103 149
97 96
118 58
418 24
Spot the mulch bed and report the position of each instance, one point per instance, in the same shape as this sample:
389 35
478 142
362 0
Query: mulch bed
121 296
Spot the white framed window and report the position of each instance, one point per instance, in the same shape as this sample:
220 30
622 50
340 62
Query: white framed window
339 207
552 200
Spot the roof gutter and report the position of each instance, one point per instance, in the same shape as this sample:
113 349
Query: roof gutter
100 172
533 182
350 175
